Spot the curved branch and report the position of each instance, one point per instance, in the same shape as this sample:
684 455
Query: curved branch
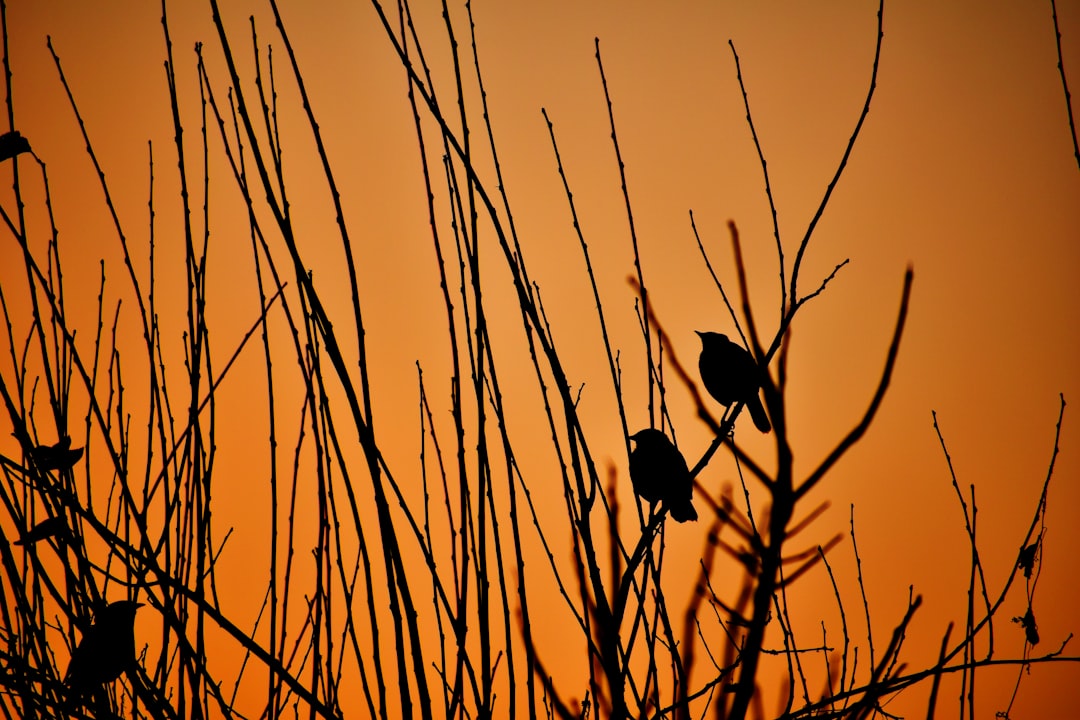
858 431
843 160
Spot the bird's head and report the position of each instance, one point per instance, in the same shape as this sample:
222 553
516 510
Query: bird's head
711 338
121 609
648 435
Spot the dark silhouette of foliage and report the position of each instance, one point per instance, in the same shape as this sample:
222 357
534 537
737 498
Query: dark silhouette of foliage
417 592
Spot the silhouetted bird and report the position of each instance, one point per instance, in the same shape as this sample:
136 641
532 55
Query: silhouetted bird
54 526
731 375
106 650
12 144
57 457
659 474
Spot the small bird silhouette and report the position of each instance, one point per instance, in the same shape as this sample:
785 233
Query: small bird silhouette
106 650
12 144
57 457
732 375
659 474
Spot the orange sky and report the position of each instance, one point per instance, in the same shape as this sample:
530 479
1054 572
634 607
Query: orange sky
964 170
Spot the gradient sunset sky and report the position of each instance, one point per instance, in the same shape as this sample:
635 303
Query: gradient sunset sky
964 170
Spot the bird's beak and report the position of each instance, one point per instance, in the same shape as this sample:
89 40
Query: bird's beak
700 334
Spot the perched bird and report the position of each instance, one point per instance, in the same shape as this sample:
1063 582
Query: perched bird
659 474
12 144
106 650
57 457
731 375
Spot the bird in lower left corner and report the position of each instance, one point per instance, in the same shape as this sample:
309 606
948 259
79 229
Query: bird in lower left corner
659 473
60 456
106 651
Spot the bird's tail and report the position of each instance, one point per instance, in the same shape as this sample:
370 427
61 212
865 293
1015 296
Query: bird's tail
682 511
757 413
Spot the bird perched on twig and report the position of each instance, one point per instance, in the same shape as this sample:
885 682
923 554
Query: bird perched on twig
659 474
106 650
731 375
12 144
60 456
